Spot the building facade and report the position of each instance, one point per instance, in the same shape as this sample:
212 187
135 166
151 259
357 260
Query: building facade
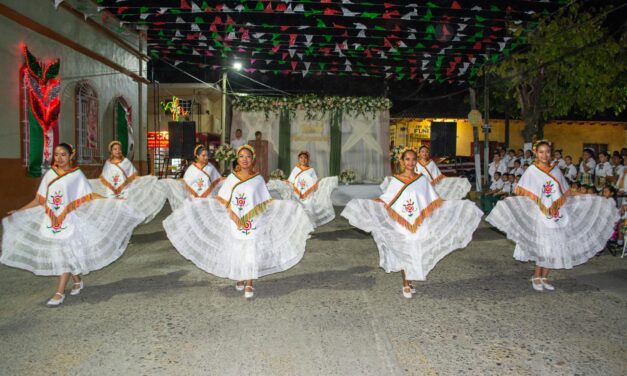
66 76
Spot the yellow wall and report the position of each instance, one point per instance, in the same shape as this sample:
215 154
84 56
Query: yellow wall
567 135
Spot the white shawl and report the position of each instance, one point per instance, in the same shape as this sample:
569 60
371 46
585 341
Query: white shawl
116 177
410 202
200 180
61 192
547 187
430 170
304 181
244 199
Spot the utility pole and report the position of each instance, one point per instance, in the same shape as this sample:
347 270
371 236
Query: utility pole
486 125
223 123
474 117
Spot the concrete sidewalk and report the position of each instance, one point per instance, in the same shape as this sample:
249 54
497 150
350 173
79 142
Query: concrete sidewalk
336 313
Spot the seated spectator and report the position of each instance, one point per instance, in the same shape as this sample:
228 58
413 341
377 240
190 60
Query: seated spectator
570 171
517 170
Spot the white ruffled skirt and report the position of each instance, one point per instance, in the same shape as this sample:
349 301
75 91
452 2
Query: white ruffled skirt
176 192
144 194
203 233
448 228
449 188
318 205
585 225
102 229
281 190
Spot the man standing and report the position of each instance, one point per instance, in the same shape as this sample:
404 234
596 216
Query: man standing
237 142
261 149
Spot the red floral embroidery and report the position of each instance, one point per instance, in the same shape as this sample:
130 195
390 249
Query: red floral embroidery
409 208
56 200
302 183
240 201
248 227
200 183
548 188
56 228
116 179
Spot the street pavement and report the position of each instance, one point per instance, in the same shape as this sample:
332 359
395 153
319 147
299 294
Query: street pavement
152 312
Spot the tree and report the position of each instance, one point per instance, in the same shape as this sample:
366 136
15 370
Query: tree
570 64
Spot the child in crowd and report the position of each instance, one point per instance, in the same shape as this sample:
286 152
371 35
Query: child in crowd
504 156
528 160
506 188
511 158
525 166
516 180
517 169
583 189
586 168
570 171
495 166
602 171
488 199
557 159
617 168
497 183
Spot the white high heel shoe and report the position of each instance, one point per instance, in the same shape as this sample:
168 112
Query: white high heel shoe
240 286
547 285
77 290
537 286
407 292
412 288
249 292
56 302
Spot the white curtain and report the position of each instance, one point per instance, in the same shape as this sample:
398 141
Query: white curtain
251 122
365 141
365 144
311 135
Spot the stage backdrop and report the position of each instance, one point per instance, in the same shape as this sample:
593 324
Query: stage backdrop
336 138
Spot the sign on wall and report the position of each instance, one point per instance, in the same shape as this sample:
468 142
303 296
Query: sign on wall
41 86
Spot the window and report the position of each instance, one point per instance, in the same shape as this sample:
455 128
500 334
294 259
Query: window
86 124
596 147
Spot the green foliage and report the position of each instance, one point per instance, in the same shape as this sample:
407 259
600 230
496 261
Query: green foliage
569 65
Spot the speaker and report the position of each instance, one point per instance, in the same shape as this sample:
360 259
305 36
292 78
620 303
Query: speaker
443 139
182 135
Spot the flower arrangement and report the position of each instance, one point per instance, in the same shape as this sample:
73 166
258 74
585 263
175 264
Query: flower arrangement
278 174
347 176
312 104
395 152
225 153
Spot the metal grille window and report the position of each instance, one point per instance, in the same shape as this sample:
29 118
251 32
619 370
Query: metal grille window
86 124
187 105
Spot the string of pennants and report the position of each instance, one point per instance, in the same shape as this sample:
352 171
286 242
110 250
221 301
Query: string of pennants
437 40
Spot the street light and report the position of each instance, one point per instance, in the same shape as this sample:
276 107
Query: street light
237 66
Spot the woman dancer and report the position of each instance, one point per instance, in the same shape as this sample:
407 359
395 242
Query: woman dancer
63 231
412 226
241 234
201 180
448 188
303 185
552 227
119 179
